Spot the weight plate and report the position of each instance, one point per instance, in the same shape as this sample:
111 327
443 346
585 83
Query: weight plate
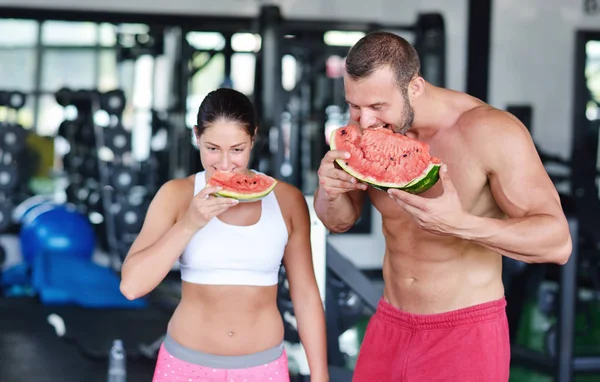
89 168
85 135
130 218
113 102
117 139
16 100
12 138
123 178
64 96
9 177
67 129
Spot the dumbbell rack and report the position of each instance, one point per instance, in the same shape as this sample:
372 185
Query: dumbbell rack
12 145
109 180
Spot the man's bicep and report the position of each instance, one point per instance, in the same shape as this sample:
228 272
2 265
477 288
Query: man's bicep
518 180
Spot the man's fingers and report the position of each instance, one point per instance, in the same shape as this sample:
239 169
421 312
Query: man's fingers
343 176
410 199
336 154
343 187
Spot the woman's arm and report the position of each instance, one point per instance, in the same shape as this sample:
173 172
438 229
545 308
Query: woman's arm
163 237
158 245
308 307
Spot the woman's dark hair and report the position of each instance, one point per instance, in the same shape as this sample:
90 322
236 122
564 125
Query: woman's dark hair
226 104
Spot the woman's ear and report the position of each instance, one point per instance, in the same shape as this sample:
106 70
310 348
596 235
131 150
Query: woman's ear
195 130
254 137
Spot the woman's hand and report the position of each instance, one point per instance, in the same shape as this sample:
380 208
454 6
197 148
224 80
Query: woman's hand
204 206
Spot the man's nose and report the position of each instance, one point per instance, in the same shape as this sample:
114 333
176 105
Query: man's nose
367 121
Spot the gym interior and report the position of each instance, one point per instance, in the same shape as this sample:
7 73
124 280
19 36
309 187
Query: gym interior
97 103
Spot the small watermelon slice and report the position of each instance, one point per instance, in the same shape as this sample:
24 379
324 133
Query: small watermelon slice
385 159
245 187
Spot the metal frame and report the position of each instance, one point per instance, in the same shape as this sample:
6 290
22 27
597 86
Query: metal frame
192 22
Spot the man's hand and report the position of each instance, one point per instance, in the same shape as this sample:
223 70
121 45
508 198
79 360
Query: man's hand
443 215
334 181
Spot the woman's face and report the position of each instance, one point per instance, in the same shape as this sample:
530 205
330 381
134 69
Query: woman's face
225 146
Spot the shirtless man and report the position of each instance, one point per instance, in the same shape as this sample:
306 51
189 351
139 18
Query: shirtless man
442 314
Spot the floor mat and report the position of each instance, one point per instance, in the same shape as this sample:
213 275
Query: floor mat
31 351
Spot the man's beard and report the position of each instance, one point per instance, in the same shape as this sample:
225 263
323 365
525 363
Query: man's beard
408 117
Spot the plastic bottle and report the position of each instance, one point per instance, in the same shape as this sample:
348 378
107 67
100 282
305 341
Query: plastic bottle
117 368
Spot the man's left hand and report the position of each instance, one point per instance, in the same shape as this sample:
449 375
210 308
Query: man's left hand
443 215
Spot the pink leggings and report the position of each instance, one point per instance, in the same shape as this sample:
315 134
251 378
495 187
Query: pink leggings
178 363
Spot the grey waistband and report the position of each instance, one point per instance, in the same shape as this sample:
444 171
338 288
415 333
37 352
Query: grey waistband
196 357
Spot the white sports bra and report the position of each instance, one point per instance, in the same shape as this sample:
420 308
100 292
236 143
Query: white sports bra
226 254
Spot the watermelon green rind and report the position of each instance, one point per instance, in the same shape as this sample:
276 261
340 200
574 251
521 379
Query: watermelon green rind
244 197
419 185
422 183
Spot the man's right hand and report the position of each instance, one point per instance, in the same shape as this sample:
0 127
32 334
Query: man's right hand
334 181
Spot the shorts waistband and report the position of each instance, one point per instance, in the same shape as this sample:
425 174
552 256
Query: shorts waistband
199 358
487 311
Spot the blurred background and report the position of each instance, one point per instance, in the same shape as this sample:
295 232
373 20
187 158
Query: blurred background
97 102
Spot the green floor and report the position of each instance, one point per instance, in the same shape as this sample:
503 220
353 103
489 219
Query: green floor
532 334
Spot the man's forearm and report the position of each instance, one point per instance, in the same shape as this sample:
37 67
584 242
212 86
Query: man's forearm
532 239
338 215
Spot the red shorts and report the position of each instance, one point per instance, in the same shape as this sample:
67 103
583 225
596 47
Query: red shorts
465 345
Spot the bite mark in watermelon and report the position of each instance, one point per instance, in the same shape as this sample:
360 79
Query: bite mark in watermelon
385 159
245 187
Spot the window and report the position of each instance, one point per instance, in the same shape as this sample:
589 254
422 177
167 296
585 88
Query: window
592 74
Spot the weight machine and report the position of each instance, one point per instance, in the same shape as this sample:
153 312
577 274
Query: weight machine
291 140
582 207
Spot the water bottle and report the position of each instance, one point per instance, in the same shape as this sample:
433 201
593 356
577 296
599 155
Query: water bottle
117 371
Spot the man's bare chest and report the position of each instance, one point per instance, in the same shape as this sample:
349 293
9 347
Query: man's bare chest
466 172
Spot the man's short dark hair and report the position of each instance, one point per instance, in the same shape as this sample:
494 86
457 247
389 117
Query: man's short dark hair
380 49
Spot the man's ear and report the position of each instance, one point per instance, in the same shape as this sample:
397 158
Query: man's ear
416 87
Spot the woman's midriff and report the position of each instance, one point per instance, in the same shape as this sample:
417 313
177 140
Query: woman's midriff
227 320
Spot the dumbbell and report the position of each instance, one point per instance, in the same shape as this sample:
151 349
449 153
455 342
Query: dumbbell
12 135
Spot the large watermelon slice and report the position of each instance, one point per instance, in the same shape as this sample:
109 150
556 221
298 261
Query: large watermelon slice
245 187
385 159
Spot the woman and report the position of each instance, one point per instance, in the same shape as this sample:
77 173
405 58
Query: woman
227 326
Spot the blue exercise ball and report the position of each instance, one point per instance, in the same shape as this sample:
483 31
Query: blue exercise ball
48 228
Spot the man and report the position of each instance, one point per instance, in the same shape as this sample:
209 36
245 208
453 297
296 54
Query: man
442 315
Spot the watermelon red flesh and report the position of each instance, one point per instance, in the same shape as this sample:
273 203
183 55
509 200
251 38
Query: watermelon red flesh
242 186
384 158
